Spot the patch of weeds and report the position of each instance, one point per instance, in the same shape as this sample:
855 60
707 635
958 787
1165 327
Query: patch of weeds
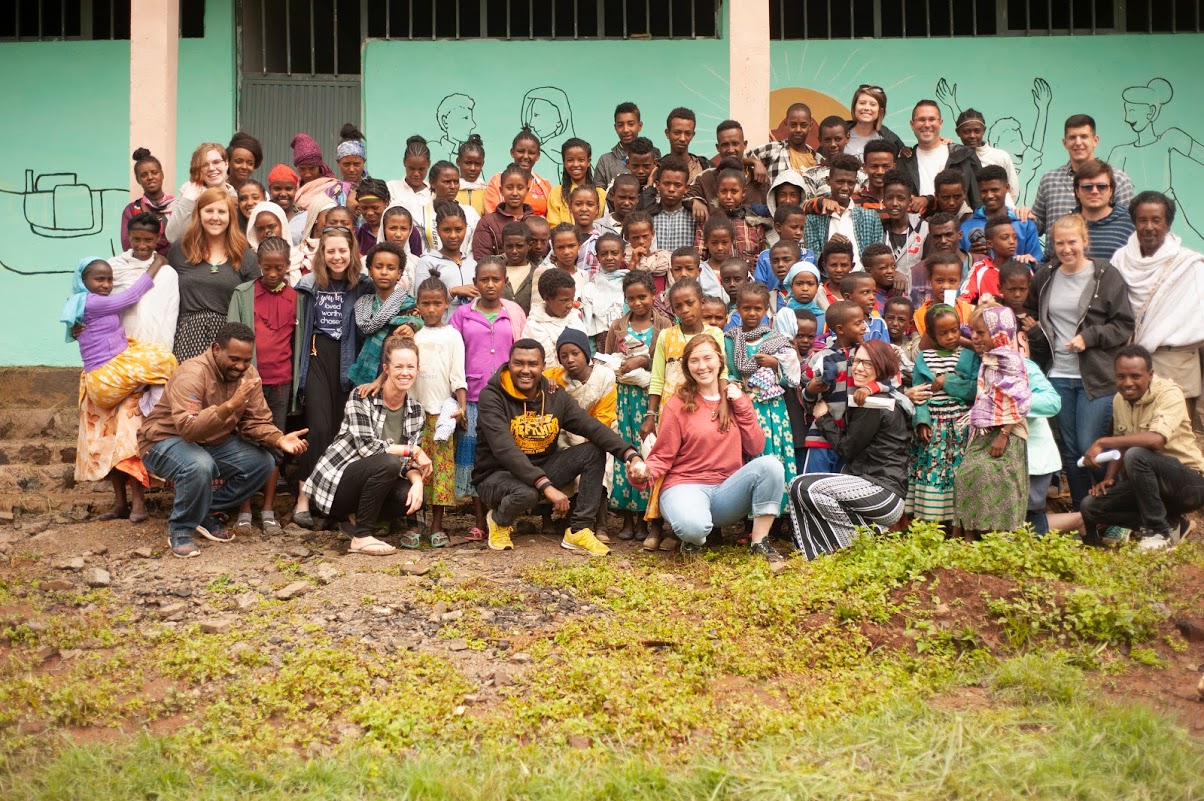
1148 657
1038 678
475 592
224 585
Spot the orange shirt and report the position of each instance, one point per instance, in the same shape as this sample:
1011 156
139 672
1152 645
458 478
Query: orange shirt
537 194
964 310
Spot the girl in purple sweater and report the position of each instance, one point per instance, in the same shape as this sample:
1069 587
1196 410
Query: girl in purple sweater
489 325
114 366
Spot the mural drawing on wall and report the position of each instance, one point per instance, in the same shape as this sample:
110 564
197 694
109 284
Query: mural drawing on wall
62 218
546 111
455 118
1008 134
1149 159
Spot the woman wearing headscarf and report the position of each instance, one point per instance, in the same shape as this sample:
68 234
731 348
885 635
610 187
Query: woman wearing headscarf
316 176
990 487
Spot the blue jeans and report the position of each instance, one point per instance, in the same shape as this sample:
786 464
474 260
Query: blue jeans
1080 423
823 460
192 468
692 510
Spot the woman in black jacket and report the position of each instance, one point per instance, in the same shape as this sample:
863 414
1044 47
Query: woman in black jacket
1081 316
826 508
869 109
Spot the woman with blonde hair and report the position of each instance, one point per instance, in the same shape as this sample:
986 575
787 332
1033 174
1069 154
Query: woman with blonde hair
210 260
868 108
707 428
209 169
328 342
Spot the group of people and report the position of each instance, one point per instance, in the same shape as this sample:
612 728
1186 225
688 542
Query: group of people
796 343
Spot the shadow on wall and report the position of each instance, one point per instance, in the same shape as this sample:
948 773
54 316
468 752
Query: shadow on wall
56 219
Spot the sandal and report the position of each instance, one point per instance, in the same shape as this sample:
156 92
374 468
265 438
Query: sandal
411 540
372 547
440 539
475 535
272 528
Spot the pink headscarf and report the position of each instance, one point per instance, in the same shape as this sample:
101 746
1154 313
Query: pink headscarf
307 153
1004 397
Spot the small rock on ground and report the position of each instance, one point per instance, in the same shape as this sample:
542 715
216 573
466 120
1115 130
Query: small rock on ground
97 577
216 625
293 590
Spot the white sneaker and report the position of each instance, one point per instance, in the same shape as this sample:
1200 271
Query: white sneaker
1154 542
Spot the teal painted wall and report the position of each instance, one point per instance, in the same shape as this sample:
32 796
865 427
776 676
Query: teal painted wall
492 87
1081 74
69 124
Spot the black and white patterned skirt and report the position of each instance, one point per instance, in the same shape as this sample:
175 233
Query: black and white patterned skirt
195 332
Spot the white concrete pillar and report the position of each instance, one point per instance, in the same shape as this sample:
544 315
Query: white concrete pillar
748 57
154 63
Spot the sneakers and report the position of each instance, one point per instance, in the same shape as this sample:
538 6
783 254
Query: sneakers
1165 540
217 534
690 548
583 540
185 549
765 550
1115 535
499 536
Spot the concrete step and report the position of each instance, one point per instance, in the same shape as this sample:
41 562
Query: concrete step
37 451
36 479
58 421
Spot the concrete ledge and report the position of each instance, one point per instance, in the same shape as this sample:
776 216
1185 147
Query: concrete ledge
38 387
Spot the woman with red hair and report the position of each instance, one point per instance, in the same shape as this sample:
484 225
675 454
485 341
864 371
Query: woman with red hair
210 260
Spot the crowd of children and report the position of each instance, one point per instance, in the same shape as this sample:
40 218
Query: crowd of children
789 258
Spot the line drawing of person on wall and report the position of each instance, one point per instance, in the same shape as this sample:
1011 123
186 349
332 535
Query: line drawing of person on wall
1007 134
547 112
1148 160
455 118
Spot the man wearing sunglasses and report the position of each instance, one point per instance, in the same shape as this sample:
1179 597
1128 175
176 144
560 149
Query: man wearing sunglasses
1108 224
1056 194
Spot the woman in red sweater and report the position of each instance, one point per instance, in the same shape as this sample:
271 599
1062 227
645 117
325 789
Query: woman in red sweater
707 428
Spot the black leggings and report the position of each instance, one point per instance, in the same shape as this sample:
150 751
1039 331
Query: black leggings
324 401
373 489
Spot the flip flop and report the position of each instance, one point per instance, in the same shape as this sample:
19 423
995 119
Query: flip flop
411 540
373 547
475 535
440 539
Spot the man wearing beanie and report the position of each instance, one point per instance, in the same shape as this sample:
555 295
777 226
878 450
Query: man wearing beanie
519 461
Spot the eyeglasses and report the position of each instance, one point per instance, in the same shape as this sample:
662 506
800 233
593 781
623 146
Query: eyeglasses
1095 187
863 363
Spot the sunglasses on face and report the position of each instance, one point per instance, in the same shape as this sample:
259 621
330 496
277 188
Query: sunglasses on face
1095 187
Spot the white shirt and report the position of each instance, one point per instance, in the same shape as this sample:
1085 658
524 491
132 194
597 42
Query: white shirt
930 162
842 224
153 317
440 366
401 193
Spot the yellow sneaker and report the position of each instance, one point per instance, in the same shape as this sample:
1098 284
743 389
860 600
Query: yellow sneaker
499 536
583 540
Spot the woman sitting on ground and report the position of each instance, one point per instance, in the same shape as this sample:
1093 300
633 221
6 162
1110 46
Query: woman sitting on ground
826 508
707 428
386 483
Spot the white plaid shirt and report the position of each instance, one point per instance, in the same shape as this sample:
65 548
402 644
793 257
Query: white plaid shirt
674 230
360 436
776 158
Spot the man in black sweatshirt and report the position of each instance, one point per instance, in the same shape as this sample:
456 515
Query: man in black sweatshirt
518 465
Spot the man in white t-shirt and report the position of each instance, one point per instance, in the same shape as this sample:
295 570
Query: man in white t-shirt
933 153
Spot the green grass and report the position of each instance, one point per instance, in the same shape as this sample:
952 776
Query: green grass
710 679
906 750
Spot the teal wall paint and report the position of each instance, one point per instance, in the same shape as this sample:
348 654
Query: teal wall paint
486 82
1083 75
206 86
72 119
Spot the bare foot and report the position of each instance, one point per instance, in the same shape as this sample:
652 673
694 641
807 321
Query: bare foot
120 511
138 512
